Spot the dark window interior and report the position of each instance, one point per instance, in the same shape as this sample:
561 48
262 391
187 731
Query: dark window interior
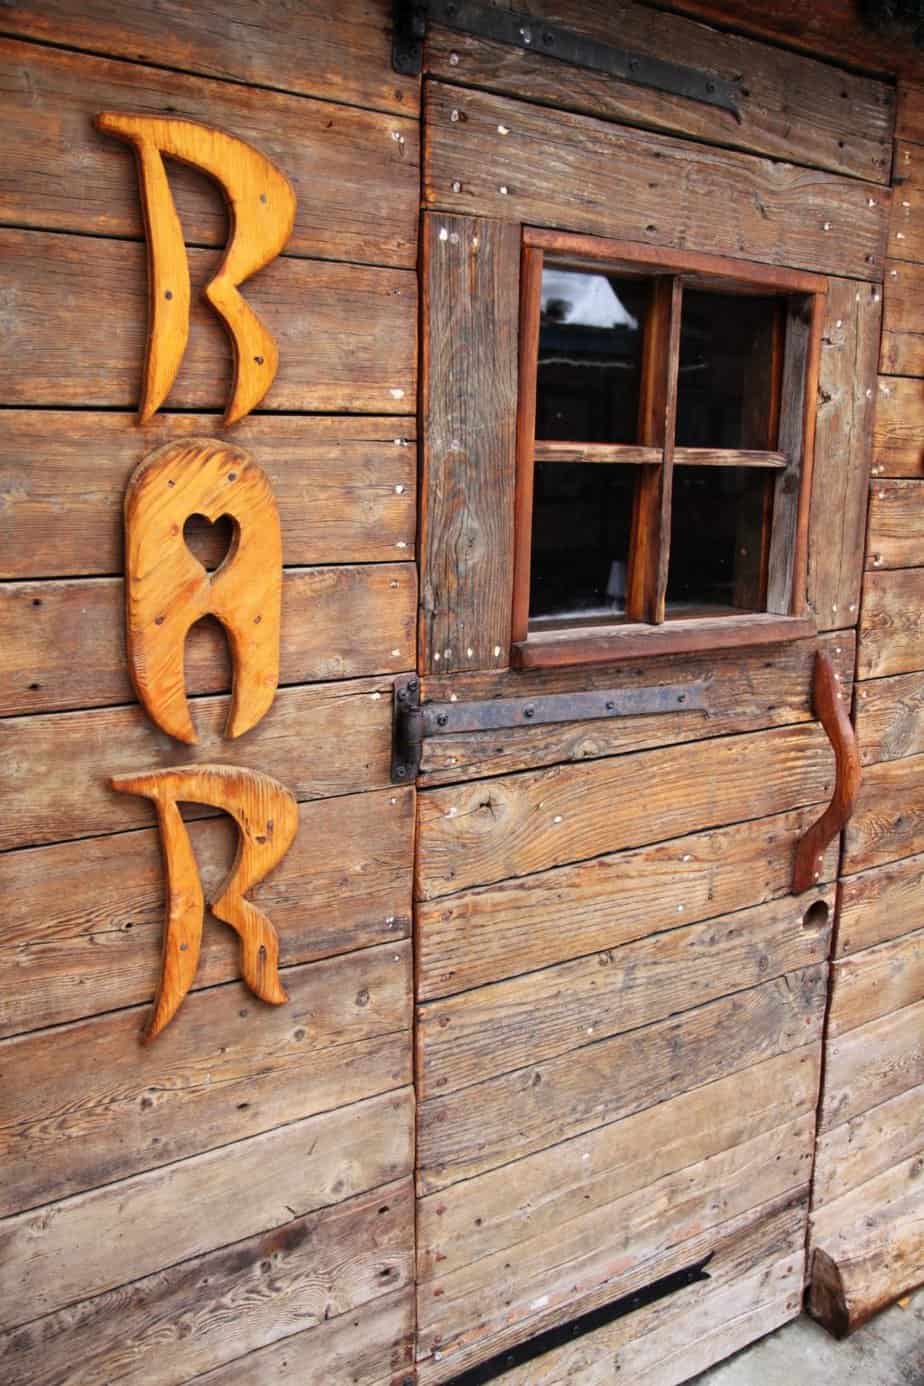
726 371
582 516
717 536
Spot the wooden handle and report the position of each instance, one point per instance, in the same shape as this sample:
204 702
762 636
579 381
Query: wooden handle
831 712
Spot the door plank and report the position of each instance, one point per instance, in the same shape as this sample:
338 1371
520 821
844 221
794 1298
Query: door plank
889 717
891 635
888 820
519 824
898 438
896 524
906 239
879 905
644 187
871 1064
876 982
902 350
868 1144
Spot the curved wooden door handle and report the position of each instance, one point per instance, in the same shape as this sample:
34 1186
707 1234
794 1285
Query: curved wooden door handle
831 712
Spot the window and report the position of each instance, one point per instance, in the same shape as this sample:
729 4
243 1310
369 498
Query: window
665 430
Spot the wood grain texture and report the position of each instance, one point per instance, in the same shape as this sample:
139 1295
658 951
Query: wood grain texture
890 717
323 740
345 487
896 524
464 1039
81 922
888 822
167 589
75 330
644 187
498 1121
843 449
339 55
556 649
266 815
298 1275
906 221
872 1063
829 706
902 347
891 634
232 1069
353 172
471 308
876 982
475 834
746 689
898 436
793 108
879 905
868 1144
492 932
63 642
909 112
261 213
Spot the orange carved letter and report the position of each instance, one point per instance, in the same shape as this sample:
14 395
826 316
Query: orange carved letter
267 817
261 205
167 590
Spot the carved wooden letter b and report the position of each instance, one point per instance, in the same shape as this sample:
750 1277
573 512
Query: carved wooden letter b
168 590
261 204
267 817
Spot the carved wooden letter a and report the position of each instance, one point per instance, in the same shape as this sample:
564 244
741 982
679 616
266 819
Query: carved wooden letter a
261 204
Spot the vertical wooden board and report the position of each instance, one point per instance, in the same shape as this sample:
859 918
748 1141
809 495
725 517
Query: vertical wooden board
891 635
470 326
902 347
868 1144
906 219
81 922
179 1322
843 445
340 53
879 905
898 437
644 187
790 108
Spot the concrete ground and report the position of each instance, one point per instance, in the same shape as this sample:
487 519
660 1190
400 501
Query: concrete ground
888 1351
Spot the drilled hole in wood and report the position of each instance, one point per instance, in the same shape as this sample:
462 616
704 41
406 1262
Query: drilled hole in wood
816 916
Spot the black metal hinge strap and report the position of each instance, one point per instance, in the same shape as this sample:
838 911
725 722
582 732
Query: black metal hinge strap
533 35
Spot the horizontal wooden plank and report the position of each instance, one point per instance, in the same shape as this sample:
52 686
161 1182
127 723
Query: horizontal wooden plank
890 717
791 107
227 1068
896 524
76 313
867 1248
902 348
327 739
341 54
771 1230
492 932
221 1305
524 1020
63 641
81 922
878 905
505 1118
354 173
843 449
349 1350
63 474
505 1207
868 1144
891 635
518 824
602 1245
906 220
871 1064
743 690
898 435
888 820
909 112
61 1255
644 187
876 982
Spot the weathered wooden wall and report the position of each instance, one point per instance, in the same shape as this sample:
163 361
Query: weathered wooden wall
235 1200
867 1242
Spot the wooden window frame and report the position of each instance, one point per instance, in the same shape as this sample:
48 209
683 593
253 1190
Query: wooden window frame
791 428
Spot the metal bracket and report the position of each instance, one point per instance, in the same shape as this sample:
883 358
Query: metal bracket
534 35
413 721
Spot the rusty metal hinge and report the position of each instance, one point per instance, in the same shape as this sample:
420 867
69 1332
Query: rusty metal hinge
534 35
414 721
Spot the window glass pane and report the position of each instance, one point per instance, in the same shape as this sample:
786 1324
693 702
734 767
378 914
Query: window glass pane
582 515
727 368
590 352
719 519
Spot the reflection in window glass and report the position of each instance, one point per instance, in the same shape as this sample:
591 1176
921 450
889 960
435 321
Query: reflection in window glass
726 382
590 351
582 516
717 559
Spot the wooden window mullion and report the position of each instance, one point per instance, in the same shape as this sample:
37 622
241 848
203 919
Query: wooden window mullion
649 549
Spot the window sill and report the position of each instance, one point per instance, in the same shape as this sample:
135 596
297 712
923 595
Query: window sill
609 644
